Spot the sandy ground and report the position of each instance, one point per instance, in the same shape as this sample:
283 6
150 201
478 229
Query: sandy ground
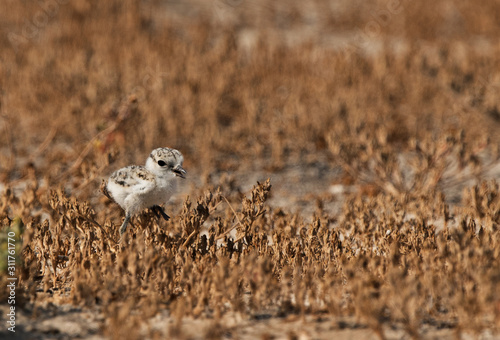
68 322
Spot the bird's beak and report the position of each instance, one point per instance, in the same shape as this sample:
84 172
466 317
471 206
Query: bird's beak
179 171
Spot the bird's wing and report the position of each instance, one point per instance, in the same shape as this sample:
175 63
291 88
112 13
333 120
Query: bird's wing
136 178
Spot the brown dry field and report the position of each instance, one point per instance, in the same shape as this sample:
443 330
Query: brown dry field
343 168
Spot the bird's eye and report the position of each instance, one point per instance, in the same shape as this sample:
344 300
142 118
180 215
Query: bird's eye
161 163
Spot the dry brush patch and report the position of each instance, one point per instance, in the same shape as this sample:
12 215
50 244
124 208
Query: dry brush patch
405 126
385 260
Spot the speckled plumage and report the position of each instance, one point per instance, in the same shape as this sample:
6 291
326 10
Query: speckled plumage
131 175
136 187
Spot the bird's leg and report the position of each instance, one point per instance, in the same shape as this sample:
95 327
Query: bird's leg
159 212
155 211
124 224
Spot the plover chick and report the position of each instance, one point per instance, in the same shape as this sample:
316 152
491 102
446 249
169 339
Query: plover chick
137 187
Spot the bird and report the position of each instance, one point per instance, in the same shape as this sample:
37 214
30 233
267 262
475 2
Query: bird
136 187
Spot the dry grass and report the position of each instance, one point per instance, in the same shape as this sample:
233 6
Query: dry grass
99 84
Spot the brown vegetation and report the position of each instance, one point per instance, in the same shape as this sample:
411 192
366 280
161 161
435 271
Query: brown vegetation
99 84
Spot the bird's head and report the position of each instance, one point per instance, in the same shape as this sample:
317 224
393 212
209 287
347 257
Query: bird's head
166 161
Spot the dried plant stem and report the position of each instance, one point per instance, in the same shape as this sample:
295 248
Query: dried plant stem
124 113
221 236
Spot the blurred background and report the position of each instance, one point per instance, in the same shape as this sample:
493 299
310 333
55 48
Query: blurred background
377 123
324 97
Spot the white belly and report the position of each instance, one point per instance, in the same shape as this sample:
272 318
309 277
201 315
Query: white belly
134 201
